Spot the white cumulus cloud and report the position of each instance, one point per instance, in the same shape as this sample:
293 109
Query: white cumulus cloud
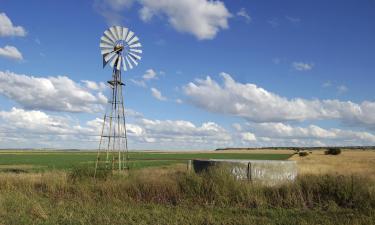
293 20
182 133
202 18
243 13
35 128
149 74
8 29
11 52
247 136
111 10
259 105
50 93
92 85
311 135
157 94
342 89
301 66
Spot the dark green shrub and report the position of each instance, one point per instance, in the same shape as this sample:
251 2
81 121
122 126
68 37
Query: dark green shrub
333 151
302 154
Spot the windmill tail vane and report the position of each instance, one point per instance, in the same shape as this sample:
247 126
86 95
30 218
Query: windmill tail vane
120 49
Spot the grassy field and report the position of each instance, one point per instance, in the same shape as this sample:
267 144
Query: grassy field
40 160
349 162
329 190
174 196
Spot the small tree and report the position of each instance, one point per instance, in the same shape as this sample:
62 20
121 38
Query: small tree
333 151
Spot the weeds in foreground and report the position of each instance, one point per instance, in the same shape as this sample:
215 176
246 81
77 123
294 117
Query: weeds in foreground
211 188
154 197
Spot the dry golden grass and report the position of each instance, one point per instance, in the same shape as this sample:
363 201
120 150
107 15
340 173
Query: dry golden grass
258 151
347 163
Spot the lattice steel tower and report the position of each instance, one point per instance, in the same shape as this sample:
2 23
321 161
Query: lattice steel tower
121 49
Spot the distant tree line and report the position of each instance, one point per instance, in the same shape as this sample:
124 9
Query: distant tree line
300 148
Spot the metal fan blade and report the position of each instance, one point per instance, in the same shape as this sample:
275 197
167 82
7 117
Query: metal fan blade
135 39
114 59
133 60
104 62
127 60
108 34
106 50
119 62
135 56
113 32
124 33
109 56
105 45
137 45
136 50
105 39
119 32
130 35
123 62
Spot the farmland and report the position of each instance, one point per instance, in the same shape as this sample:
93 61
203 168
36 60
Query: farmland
40 161
159 190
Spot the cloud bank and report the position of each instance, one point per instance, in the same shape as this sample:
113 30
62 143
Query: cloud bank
256 104
58 93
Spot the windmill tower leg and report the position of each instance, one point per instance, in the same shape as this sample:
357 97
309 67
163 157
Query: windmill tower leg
113 146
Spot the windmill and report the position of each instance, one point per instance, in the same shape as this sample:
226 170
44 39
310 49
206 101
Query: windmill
120 49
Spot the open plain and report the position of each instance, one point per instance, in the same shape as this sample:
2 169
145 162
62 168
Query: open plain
159 190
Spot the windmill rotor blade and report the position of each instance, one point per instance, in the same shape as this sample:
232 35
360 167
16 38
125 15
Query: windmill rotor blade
127 60
124 33
109 56
105 39
109 35
113 32
134 55
114 59
105 45
133 60
106 50
119 62
123 62
104 62
130 35
119 32
135 39
136 50
137 45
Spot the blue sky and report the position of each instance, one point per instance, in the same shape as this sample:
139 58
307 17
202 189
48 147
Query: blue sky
220 73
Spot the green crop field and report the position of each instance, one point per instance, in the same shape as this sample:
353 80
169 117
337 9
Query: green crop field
40 160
